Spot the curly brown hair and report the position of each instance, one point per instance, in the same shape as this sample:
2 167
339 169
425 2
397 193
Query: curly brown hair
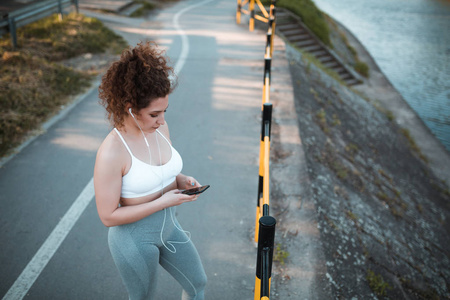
140 76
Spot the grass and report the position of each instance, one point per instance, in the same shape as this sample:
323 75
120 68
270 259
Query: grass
377 283
351 148
362 68
385 175
310 14
413 145
33 82
352 216
336 121
390 115
340 170
280 255
317 22
30 90
309 58
56 40
359 66
322 120
144 9
396 206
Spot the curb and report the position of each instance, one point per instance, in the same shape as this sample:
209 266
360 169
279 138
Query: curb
49 123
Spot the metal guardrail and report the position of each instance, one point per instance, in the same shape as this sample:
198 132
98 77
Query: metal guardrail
32 13
251 11
265 224
264 257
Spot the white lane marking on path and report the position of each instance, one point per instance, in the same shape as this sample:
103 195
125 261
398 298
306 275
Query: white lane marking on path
37 264
51 244
184 40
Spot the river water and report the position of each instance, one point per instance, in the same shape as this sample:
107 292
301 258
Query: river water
410 41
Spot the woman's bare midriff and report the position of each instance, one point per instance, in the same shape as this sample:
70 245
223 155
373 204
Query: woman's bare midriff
148 198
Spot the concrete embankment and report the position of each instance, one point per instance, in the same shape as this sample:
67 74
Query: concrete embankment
382 211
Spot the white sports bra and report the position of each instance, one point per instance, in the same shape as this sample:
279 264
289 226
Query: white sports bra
143 179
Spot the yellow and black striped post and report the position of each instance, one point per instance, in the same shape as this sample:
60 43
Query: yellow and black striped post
272 24
262 204
266 17
238 11
241 10
251 8
267 79
267 123
268 50
264 257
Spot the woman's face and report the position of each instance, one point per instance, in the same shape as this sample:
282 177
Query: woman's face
151 117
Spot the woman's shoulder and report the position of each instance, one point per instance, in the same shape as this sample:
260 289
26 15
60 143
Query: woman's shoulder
112 149
110 162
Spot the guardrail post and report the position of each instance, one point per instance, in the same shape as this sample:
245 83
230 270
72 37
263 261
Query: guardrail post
267 125
12 31
272 8
262 208
259 199
268 43
267 70
264 257
267 120
272 23
75 2
60 11
238 11
251 23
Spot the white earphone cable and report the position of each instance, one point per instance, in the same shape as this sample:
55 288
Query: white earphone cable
188 234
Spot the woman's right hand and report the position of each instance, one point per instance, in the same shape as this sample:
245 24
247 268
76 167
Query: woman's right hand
175 198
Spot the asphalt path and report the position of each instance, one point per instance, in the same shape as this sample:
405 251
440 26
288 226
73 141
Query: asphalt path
7 6
214 121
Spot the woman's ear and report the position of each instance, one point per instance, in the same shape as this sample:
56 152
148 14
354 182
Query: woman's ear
128 109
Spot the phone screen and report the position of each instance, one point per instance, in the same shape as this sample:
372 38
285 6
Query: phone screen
196 190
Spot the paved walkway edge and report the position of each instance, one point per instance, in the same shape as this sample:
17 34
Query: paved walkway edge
303 276
50 122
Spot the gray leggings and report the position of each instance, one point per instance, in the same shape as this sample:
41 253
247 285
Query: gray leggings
137 249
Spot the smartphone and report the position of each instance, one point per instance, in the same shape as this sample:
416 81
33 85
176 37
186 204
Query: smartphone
196 190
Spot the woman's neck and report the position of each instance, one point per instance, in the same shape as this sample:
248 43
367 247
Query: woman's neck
132 129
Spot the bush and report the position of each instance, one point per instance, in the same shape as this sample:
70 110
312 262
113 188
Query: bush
362 68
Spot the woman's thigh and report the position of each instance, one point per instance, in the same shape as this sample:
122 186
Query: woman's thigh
184 265
136 259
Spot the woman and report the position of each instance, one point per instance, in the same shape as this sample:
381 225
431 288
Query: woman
137 178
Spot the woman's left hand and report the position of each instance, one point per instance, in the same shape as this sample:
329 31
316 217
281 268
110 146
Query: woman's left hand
189 182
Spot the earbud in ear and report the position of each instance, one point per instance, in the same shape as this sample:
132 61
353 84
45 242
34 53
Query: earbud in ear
129 110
